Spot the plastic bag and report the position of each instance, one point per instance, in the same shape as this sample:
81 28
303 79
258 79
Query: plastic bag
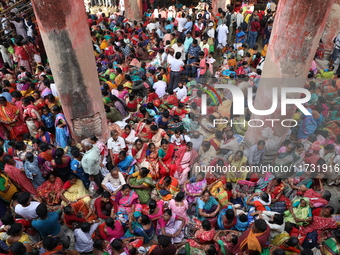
93 188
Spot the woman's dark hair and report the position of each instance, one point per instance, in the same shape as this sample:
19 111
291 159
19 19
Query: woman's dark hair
42 128
110 222
206 225
168 211
122 153
144 171
68 210
126 186
93 138
98 244
59 153
50 243
180 196
206 192
56 109
139 141
326 195
150 145
212 250
72 176
164 141
230 215
152 205
145 219
280 251
15 229
167 180
330 208
18 248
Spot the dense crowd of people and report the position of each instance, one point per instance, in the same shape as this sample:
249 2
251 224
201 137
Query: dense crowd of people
146 189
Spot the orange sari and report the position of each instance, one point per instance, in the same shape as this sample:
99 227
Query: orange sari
9 113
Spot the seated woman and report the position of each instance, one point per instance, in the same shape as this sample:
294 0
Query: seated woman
138 151
165 157
203 236
49 191
127 200
299 213
236 161
179 205
227 218
275 189
75 215
7 187
167 187
129 135
317 199
171 225
16 234
158 135
289 244
74 191
111 228
126 163
184 160
195 186
154 209
226 240
206 154
140 225
142 183
207 208
163 121
152 160
62 165
322 222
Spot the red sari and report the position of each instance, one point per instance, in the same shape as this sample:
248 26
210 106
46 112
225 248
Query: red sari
276 191
140 155
20 177
9 113
167 161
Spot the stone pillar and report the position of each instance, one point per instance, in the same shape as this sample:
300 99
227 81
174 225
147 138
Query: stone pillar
332 28
133 9
294 40
67 41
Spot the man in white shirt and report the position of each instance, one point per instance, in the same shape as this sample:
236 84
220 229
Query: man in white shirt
179 47
83 236
175 70
151 25
115 144
239 18
181 22
160 86
113 182
26 208
181 91
222 33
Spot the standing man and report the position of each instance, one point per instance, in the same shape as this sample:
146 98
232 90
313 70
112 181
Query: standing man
222 35
256 153
193 57
336 50
91 163
176 65
179 47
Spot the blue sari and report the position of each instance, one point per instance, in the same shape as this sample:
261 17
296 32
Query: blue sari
139 231
62 134
129 161
308 125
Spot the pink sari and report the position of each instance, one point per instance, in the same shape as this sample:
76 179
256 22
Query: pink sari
179 210
183 162
126 203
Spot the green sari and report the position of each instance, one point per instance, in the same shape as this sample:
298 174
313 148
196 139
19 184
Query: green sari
300 212
144 195
330 247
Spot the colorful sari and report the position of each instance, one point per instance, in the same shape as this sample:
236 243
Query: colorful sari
330 247
203 236
171 227
153 164
50 192
307 126
140 156
263 182
138 230
209 207
9 113
195 188
62 134
172 189
184 160
77 191
46 138
82 208
23 57
300 213
143 131
321 225
126 202
167 159
129 161
144 195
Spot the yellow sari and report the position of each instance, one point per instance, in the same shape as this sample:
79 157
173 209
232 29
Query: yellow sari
6 196
77 191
